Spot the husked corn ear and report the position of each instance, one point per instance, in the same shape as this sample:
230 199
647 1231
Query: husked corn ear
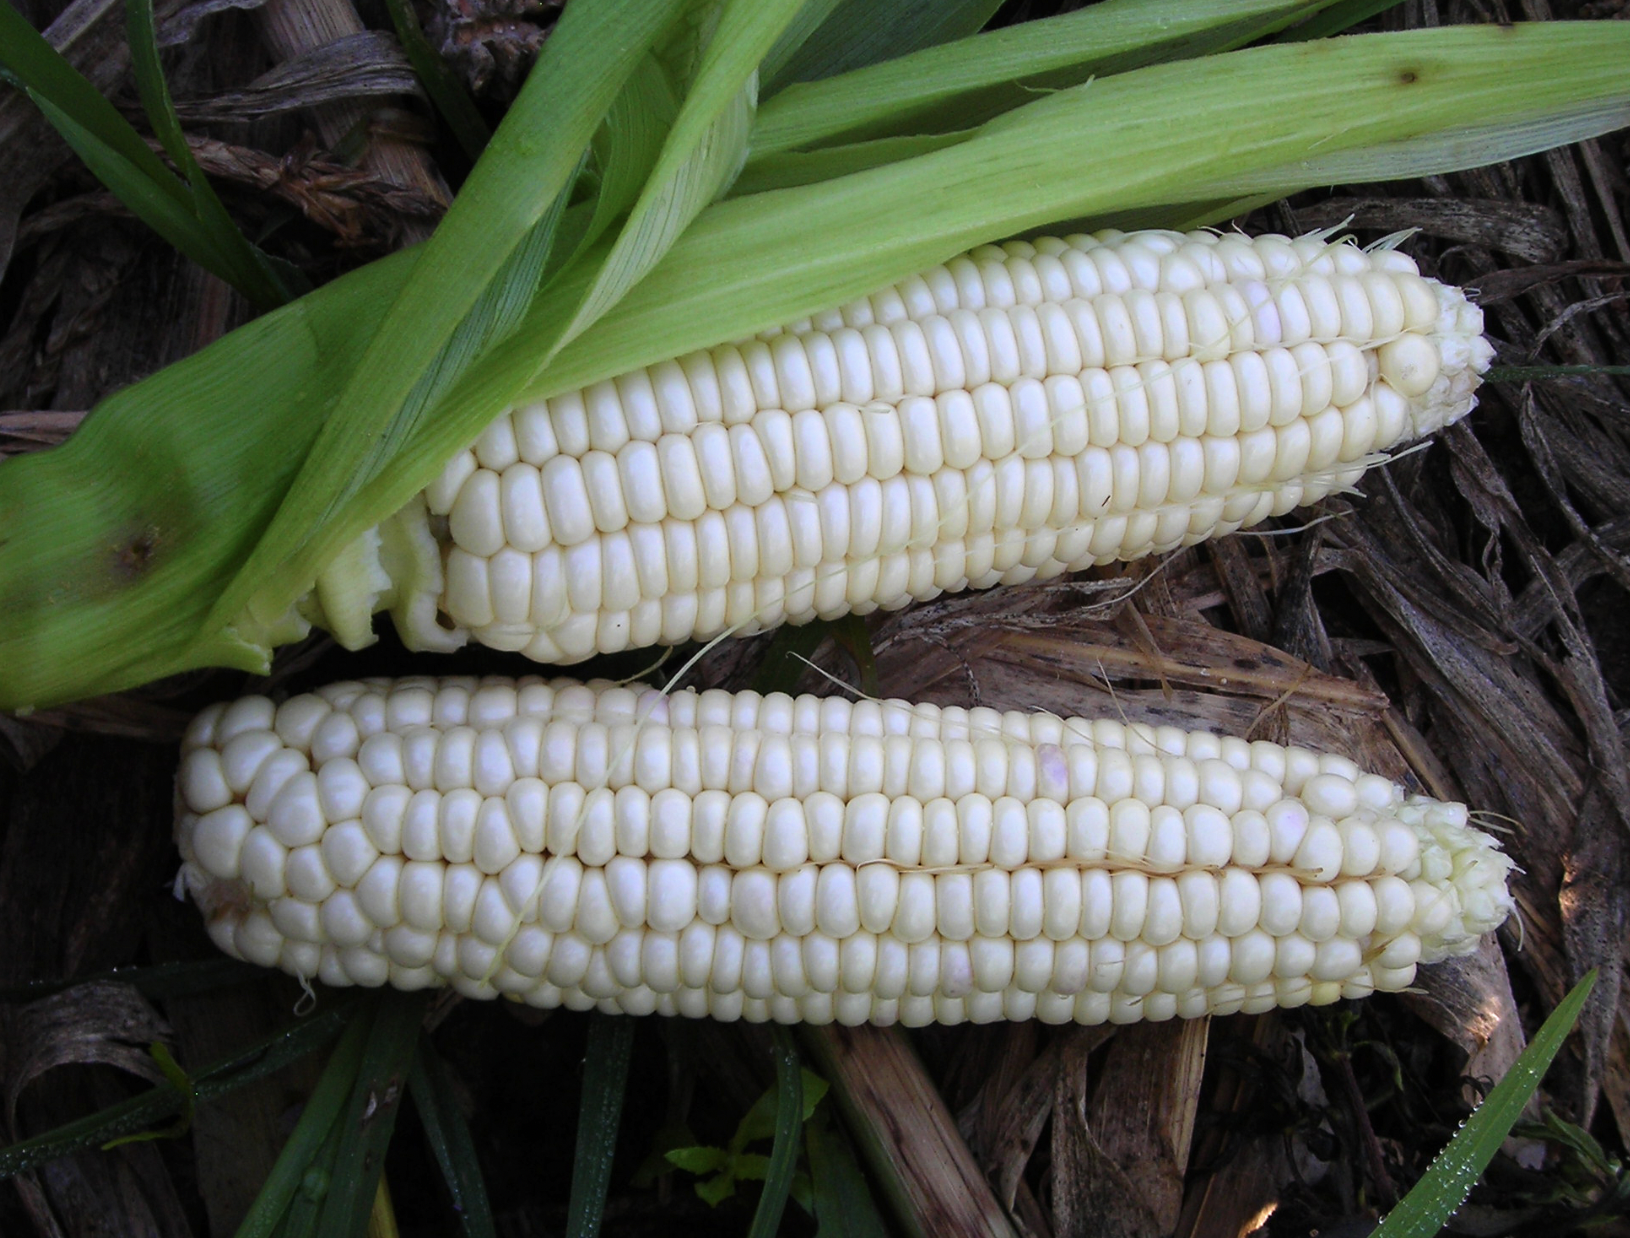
1023 411
739 856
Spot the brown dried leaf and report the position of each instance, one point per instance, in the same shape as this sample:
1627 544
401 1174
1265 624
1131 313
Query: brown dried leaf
1009 1050
1143 1112
1239 1195
1468 1000
368 64
1075 1155
103 1022
1595 905
892 1106
34 430
1505 285
359 207
1017 1122
1522 229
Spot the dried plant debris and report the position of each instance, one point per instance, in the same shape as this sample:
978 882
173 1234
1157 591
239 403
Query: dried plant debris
25 430
361 209
356 66
491 44
1529 231
98 1024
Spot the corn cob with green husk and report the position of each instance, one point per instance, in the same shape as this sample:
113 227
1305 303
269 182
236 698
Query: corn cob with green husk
1022 411
772 857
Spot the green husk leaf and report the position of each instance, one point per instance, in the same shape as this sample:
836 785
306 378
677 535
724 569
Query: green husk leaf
1450 1178
962 84
705 149
857 33
810 18
792 168
1194 123
480 260
1337 18
106 571
450 1143
605 1082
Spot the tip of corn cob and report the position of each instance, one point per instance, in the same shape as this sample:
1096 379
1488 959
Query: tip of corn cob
1463 356
810 859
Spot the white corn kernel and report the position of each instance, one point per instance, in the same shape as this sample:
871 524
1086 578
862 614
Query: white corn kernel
1228 369
562 848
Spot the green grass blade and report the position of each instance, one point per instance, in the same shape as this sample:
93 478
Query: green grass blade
1450 1178
185 213
48 76
255 1061
605 1080
180 978
305 1206
529 165
785 660
844 1207
246 268
789 1121
152 88
965 83
1337 18
450 1143
178 1079
370 1114
320 1116
457 110
862 32
148 198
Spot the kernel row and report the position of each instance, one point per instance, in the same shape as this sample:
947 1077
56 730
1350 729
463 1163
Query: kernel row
714 465
686 481
337 719
1268 345
723 962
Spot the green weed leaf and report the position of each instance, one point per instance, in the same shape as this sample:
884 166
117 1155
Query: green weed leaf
1450 1178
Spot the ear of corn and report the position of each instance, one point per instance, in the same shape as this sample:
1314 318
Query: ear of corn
811 859
1022 411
